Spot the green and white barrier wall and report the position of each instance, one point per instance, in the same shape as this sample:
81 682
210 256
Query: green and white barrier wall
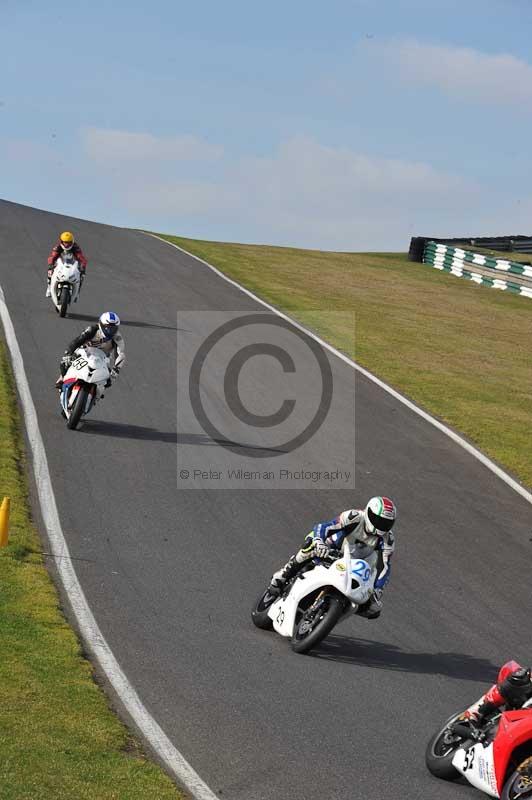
480 269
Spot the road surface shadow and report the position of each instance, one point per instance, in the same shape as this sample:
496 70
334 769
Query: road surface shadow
203 440
122 430
378 655
128 322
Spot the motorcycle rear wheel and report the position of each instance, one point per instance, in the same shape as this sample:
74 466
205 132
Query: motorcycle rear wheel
259 614
439 753
519 784
64 301
317 622
77 408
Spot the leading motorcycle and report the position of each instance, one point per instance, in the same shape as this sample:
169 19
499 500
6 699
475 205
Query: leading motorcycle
495 757
318 597
65 283
83 383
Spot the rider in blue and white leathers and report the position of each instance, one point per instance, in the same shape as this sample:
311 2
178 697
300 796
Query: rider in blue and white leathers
104 335
369 530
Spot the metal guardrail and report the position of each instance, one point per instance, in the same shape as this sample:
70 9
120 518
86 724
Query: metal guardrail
481 269
506 244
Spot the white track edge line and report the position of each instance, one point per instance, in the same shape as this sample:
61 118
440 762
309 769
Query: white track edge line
90 632
487 462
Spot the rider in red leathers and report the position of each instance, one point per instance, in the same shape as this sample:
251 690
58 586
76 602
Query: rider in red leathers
66 244
513 689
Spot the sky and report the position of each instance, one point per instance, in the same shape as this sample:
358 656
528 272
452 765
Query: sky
346 125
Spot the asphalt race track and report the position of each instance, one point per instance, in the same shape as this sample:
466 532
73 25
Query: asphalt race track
171 572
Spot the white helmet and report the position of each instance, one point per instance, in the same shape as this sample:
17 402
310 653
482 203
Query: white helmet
379 515
108 323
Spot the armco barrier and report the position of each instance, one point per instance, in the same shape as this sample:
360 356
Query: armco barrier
517 242
480 269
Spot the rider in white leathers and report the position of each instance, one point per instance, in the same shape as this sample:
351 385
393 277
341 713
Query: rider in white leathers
104 335
369 529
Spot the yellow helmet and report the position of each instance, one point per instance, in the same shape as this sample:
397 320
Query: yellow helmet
67 240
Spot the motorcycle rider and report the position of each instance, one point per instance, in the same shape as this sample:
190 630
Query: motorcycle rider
104 335
66 244
370 530
513 688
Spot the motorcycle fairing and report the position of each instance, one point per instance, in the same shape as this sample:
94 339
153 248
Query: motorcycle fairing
353 578
90 365
65 273
515 728
485 767
477 765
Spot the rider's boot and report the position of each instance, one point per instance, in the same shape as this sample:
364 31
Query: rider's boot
372 609
48 289
283 575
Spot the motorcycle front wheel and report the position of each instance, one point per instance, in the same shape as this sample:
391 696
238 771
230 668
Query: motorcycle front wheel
317 621
63 300
519 784
77 408
440 751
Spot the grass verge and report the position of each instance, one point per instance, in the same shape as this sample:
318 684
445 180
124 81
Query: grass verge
58 738
458 350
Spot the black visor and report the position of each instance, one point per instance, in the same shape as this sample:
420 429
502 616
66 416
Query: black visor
381 523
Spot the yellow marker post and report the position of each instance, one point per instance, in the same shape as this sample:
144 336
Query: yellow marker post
4 521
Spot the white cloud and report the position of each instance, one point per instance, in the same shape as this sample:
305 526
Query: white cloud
26 150
189 198
316 196
460 72
103 146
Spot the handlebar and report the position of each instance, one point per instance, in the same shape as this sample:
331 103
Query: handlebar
332 555
466 731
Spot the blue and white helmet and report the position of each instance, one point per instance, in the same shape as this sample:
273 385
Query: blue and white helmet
109 322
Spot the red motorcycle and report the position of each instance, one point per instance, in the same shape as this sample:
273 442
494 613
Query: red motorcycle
495 757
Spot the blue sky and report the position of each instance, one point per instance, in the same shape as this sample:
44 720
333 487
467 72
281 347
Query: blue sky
349 125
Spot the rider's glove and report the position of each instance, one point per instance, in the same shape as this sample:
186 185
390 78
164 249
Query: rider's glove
66 359
115 372
477 716
50 272
320 548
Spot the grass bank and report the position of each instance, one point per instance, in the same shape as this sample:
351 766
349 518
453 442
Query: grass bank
58 738
461 351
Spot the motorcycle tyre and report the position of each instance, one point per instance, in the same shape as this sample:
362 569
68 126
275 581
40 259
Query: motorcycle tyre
259 614
63 302
508 792
323 628
441 766
77 409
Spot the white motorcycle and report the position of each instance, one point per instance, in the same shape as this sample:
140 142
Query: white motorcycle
318 597
65 283
83 383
